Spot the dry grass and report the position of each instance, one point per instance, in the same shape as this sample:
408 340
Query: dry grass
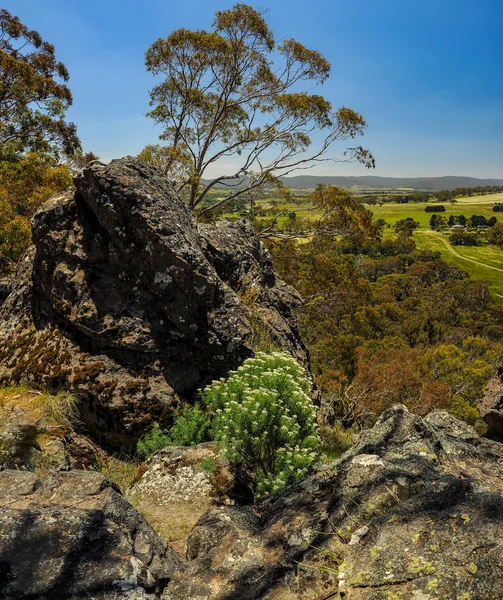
335 440
34 406
125 472
44 418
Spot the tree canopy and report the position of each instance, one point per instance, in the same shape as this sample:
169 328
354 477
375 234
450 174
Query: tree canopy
231 94
34 96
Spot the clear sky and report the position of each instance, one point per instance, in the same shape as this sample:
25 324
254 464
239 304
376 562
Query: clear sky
427 75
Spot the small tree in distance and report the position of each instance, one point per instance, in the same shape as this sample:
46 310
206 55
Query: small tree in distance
229 94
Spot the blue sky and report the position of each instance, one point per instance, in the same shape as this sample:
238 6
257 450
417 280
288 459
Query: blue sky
427 76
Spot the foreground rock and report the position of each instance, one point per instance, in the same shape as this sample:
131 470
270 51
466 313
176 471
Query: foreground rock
74 535
179 484
415 511
491 406
124 302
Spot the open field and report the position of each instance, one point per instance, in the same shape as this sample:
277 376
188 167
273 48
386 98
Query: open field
476 205
488 256
487 199
481 262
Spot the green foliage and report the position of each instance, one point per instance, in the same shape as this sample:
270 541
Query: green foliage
151 442
26 182
438 221
190 428
386 323
265 419
495 235
208 465
15 237
34 96
406 226
465 238
464 411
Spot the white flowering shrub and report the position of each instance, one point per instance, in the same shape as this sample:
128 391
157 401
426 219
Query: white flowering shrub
264 416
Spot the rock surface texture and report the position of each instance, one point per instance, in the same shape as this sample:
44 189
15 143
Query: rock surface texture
73 535
124 302
178 485
415 511
491 406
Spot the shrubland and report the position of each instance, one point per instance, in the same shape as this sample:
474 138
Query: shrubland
387 323
26 182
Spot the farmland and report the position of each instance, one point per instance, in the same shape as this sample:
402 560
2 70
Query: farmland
480 262
480 205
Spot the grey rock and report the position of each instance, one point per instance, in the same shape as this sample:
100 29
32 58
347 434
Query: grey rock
123 301
491 406
243 262
73 535
179 484
414 511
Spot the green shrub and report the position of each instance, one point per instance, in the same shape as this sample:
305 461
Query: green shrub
464 411
262 414
190 428
151 442
265 419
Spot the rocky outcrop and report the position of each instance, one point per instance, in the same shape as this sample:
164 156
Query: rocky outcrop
491 406
73 535
414 511
124 302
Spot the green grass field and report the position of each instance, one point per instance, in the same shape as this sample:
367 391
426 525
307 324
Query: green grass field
487 256
475 205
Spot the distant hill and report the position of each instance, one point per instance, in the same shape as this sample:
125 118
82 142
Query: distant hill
448 182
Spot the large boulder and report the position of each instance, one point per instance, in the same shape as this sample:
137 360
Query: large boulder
73 535
244 263
491 406
124 302
414 511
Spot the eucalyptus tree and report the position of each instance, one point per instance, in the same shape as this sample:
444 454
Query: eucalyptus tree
234 95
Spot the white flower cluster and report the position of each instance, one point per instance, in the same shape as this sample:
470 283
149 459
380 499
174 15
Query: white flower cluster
265 417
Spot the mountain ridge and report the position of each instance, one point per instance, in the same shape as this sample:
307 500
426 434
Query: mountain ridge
445 182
